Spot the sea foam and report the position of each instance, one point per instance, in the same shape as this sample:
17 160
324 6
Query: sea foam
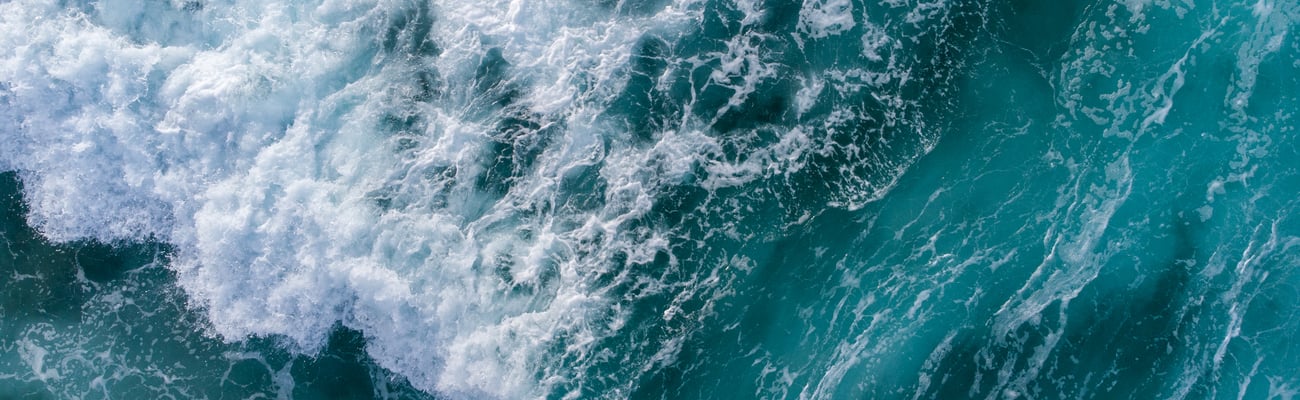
258 139
419 172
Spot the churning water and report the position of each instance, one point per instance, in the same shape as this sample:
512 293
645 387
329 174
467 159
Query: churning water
649 199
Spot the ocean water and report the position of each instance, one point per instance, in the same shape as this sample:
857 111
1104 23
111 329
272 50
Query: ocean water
649 199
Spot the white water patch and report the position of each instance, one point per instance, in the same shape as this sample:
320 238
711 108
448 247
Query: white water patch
825 18
1271 30
875 41
34 355
250 140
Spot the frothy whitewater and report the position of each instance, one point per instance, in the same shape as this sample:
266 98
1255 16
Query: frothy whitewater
651 198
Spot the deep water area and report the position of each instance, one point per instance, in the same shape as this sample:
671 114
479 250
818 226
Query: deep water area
649 199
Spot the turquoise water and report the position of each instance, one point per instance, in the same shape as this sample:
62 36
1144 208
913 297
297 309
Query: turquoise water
649 199
84 320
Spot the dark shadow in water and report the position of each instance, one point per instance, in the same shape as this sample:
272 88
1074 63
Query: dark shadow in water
102 262
342 371
646 109
492 79
1117 343
97 262
520 135
1040 28
408 33
39 278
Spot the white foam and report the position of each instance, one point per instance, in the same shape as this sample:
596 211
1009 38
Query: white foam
250 141
252 137
824 18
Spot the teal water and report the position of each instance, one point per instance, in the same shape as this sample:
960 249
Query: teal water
650 199
89 321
